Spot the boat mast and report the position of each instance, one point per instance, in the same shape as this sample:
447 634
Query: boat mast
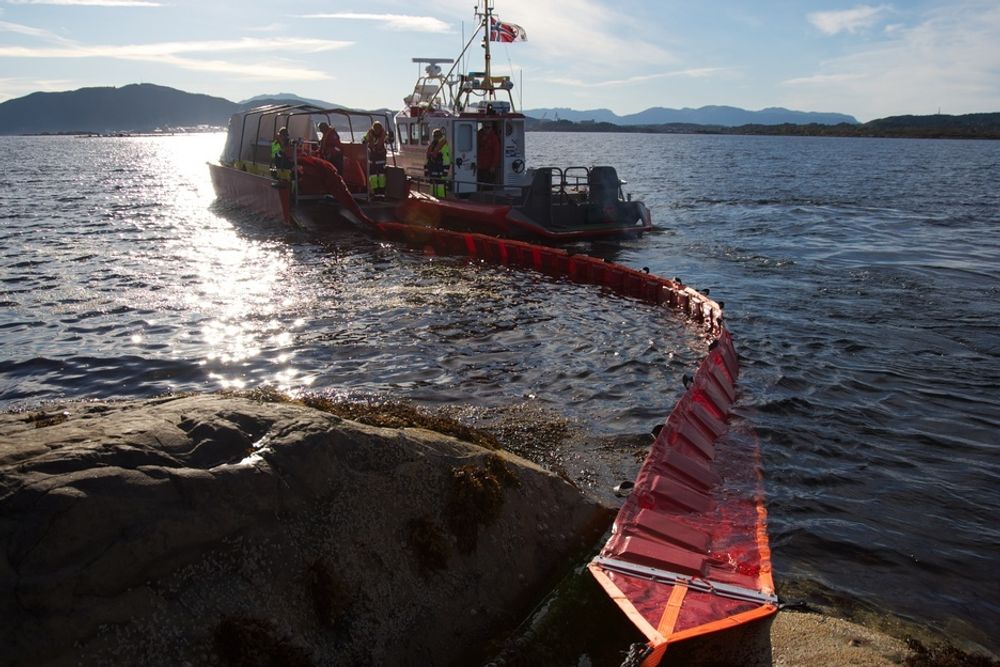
487 28
489 83
480 83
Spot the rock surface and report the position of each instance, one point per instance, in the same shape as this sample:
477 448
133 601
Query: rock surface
220 530
793 639
223 531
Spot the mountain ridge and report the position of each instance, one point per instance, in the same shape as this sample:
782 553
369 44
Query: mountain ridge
938 126
137 107
147 107
726 116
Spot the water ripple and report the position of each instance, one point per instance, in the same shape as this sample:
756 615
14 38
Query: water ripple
860 279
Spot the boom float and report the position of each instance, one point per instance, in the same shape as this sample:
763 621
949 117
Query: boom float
689 553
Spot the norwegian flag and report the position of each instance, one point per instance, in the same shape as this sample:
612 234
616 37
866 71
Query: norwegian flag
507 32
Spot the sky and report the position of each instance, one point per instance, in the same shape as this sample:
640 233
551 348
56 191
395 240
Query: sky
865 59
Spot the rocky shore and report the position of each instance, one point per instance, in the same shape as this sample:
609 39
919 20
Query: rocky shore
222 530
215 530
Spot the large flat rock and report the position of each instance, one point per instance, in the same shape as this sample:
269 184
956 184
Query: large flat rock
212 529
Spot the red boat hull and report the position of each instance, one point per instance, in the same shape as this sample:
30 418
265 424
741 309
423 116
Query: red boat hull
503 220
272 198
261 194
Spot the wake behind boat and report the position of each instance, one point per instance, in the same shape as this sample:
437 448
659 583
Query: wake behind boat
454 158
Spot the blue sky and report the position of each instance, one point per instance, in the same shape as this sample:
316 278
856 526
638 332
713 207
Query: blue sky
866 59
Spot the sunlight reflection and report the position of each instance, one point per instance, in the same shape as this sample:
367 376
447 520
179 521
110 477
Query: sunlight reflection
237 283
184 158
228 383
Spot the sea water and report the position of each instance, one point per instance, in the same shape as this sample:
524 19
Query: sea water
860 279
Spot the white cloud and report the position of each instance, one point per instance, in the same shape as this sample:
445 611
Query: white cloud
158 50
30 31
949 59
847 20
171 53
701 72
258 71
88 3
696 73
398 22
822 79
588 36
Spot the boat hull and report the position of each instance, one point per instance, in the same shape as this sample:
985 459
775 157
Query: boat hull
272 198
266 196
507 221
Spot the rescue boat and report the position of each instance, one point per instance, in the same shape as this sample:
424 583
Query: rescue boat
507 199
303 188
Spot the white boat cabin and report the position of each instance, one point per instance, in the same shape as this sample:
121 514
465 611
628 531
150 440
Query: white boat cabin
462 116
413 136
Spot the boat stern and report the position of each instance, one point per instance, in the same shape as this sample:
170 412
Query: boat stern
267 196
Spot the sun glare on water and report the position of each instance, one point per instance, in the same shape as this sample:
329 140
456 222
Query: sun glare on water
239 285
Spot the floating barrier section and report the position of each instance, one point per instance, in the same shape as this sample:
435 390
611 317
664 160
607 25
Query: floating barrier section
687 556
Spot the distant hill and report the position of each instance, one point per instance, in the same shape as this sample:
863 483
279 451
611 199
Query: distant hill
147 107
967 126
140 107
711 115
937 124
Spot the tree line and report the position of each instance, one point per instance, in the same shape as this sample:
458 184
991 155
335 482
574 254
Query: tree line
938 126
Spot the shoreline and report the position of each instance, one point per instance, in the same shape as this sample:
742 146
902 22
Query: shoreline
562 628
790 638
977 127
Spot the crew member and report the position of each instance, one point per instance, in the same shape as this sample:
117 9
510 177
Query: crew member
281 149
375 139
438 163
329 146
487 156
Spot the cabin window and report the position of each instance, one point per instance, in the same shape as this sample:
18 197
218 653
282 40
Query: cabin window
463 137
414 133
404 134
425 134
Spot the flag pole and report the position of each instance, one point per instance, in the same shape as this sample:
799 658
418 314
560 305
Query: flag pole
488 25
